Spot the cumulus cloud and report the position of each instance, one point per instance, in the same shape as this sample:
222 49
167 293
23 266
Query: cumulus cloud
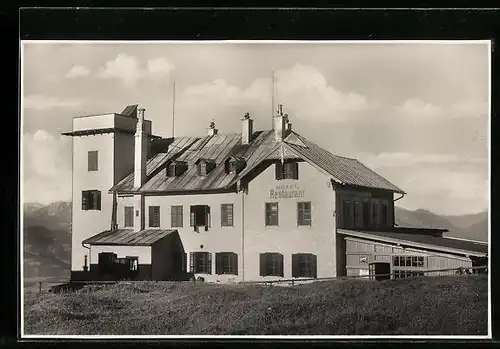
127 69
78 71
303 90
43 102
419 110
46 167
406 159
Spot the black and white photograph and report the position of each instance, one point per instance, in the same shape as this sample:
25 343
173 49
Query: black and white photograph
230 189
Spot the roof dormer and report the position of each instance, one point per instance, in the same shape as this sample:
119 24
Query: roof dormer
205 166
234 164
176 168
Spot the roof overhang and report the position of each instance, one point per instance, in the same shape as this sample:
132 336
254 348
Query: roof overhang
128 237
395 241
98 131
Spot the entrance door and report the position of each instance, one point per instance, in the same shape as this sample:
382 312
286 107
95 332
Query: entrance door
380 271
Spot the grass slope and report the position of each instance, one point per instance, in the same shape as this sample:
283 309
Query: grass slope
427 305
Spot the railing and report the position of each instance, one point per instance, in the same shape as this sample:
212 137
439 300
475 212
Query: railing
448 271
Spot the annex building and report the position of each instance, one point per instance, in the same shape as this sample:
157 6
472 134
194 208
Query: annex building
254 205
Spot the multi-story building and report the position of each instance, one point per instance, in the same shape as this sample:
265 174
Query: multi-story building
246 206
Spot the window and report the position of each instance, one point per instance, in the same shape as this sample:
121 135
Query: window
356 213
200 216
226 218
304 265
384 218
154 216
366 214
287 170
129 216
226 263
201 262
375 213
271 264
176 216
346 213
176 168
91 200
399 274
133 263
408 261
271 213
234 165
205 166
303 213
93 160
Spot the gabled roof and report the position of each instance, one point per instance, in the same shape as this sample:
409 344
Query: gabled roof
423 240
263 146
128 237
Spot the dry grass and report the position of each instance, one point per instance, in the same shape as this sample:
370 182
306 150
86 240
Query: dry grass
432 305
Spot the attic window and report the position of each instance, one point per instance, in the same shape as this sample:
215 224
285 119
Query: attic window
205 166
234 165
176 168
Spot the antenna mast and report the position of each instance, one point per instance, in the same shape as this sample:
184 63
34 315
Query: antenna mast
173 111
272 101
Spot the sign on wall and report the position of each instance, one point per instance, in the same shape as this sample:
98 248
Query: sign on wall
286 191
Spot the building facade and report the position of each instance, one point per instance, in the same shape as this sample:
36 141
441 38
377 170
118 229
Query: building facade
247 206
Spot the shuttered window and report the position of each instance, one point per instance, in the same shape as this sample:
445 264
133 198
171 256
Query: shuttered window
384 214
356 213
200 262
154 216
271 264
304 265
176 216
272 213
129 216
199 216
226 215
375 215
346 214
226 263
287 170
93 160
303 213
91 200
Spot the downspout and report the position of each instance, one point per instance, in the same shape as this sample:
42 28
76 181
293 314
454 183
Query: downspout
394 211
242 233
113 213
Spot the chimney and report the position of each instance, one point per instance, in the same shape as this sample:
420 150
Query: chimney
212 131
246 129
141 149
280 124
288 124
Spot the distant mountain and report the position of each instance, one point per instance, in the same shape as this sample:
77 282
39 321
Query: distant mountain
47 240
471 226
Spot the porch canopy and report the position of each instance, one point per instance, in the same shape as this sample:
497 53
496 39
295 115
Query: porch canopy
129 237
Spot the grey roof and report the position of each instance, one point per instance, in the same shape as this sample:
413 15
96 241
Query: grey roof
263 146
127 237
423 240
130 110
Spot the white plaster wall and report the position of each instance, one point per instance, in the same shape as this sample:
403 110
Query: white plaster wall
93 122
289 238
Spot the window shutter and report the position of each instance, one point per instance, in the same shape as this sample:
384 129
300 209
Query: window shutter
280 259
218 263
191 262
97 202
234 256
263 264
295 170
295 265
209 262
191 219
279 171
84 201
314 263
207 216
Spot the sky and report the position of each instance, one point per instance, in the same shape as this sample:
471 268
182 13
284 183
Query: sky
416 113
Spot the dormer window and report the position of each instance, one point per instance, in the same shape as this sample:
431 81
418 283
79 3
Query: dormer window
234 165
205 166
176 168
287 170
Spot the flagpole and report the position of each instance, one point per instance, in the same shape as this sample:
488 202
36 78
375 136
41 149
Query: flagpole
272 102
173 111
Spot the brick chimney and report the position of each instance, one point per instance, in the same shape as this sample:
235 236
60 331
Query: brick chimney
212 131
280 121
246 129
141 151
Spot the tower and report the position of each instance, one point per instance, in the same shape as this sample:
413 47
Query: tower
103 154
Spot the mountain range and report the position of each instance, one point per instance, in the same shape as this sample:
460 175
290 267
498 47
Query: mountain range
47 237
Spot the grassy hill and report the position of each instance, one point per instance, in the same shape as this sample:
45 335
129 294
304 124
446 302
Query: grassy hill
453 305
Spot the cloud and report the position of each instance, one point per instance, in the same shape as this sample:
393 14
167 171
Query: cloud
159 67
406 159
78 71
42 102
420 110
127 68
303 90
46 167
